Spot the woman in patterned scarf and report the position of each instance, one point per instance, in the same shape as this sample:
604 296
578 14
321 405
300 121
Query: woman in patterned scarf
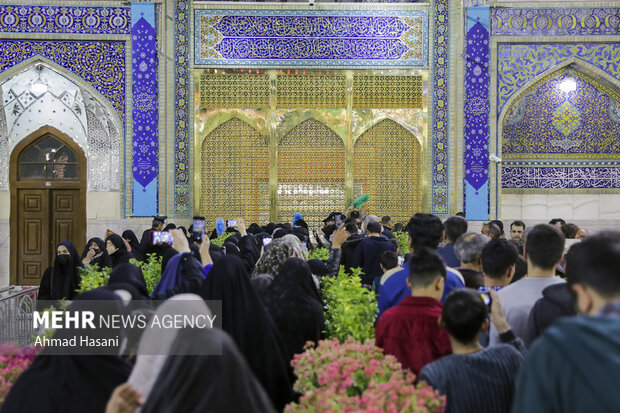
276 254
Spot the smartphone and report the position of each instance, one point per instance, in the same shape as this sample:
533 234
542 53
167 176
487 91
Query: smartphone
338 219
267 241
199 228
486 297
231 223
161 237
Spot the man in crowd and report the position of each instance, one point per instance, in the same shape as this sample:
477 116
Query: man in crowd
425 231
544 247
146 242
368 252
468 248
389 266
557 222
454 227
499 258
475 379
516 230
409 331
386 221
575 365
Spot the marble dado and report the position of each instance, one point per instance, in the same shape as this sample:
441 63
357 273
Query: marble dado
592 207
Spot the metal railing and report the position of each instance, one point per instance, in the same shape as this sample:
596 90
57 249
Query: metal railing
16 313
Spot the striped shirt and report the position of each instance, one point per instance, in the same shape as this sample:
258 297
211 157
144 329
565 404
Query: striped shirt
479 382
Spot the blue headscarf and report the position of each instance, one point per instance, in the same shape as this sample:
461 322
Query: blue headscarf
173 275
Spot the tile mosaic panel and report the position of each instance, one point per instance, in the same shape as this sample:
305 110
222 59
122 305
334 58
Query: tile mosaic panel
555 22
517 64
65 19
564 114
560 178
100 63
182 123
439 188
311 37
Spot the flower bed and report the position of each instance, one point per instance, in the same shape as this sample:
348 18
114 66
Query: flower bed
356 377
13 361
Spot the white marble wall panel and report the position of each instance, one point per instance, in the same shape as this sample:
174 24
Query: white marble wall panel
609 206
534 206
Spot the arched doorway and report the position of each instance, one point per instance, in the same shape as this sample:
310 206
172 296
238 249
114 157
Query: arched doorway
48 201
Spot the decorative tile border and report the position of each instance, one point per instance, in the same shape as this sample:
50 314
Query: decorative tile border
477 110
100 63
555 22
182 132
64 19
311 37
144 110
560 178
439 197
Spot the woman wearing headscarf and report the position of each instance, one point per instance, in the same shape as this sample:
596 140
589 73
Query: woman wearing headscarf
295 306
136 249
95 253
132 275
69 383
156 342
247 322
117 250
63 277
274 256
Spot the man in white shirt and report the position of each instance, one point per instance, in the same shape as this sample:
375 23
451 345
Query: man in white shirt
544 248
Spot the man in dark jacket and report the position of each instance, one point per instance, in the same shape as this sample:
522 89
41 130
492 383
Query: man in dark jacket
146 242
367 254
350 244
574 366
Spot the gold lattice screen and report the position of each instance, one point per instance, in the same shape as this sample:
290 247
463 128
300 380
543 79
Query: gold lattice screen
235 174
310 172
387 166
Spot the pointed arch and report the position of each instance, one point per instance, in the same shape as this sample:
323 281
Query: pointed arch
574 63
234 173
298 117
399 121
218 118
387 165
311 169
83 84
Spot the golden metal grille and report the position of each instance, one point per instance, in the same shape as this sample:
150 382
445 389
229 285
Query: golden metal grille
310 172
234 91
235 174
312 91
387 166
387 92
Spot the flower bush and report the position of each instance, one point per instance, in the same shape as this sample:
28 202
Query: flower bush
356 377
13 361
319 253
92 277
351 308
403 241
151 269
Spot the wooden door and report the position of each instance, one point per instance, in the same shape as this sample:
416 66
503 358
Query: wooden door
33 246
48 202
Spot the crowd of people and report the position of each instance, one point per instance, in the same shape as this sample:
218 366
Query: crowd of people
525 324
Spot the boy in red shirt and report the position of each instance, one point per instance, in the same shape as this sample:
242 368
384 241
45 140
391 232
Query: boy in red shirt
409 331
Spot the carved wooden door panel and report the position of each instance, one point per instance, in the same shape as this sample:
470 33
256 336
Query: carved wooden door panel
34 242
